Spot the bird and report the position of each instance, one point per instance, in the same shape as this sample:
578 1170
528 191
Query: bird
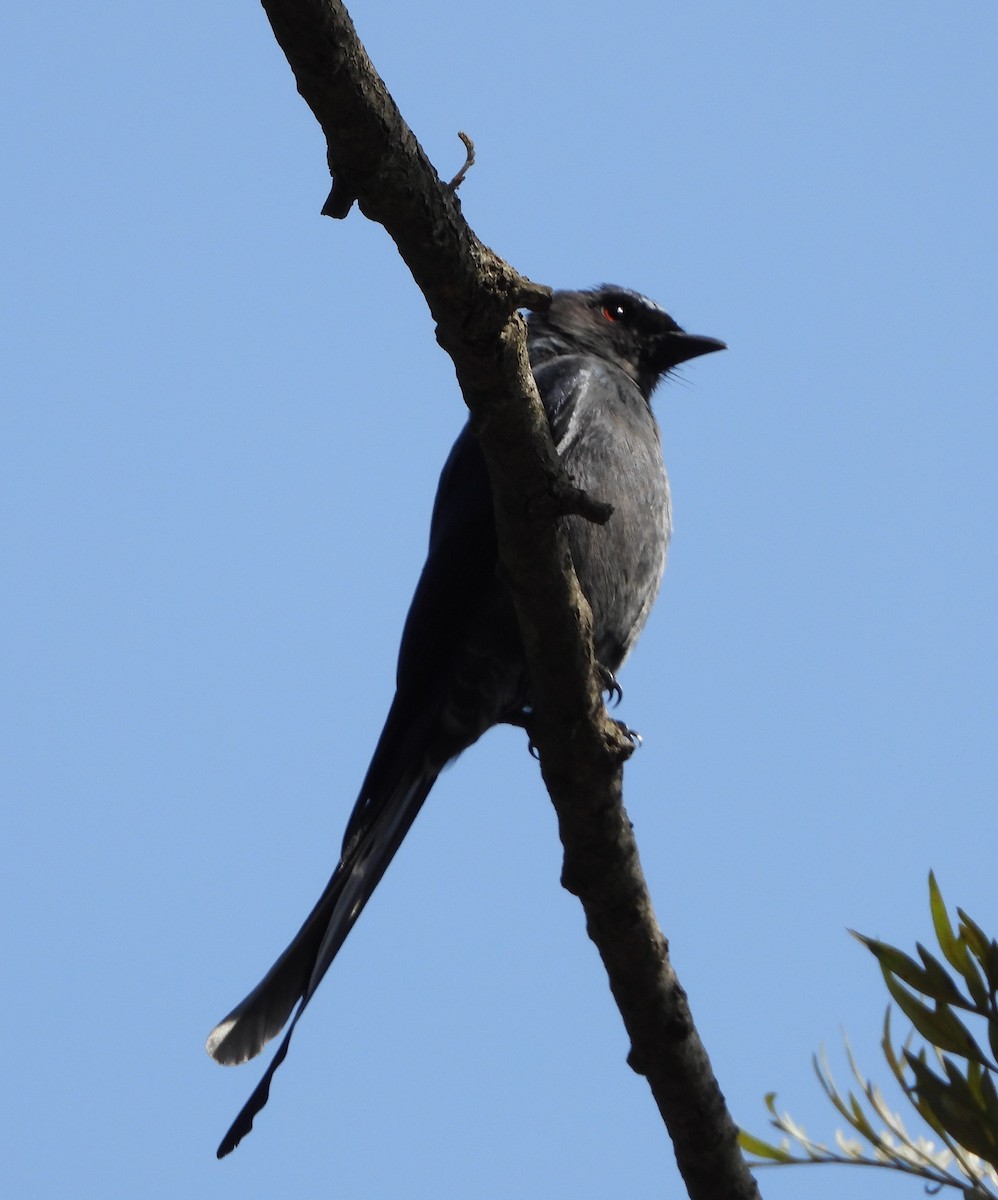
597 356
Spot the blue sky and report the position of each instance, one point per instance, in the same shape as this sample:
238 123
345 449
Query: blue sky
223 421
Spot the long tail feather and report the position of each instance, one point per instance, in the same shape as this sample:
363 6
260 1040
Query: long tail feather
299 970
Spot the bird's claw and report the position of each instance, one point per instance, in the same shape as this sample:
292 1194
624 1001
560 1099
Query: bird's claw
522 720
632 735
609 684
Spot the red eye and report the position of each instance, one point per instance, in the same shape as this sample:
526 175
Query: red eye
614 312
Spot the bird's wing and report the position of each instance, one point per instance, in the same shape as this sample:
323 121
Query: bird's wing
452 590
608 442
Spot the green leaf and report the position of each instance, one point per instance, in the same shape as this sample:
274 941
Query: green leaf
991 966
989 1100
860 1122
900 964
895 1063
923 1109
939 1025
976 939
977 987
974 936
953 950
953 1105
938 981
753 1145
961 1090
830 1090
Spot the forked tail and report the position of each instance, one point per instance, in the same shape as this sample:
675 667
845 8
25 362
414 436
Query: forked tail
299 970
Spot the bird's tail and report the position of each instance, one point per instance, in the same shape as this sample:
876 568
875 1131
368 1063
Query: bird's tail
297 973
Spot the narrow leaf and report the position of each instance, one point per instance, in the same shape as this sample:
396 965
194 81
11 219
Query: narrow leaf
953 951
940 1025
939 982
860 1122
898 963
753 1145
953 1108
973 935
989 1099
830 1090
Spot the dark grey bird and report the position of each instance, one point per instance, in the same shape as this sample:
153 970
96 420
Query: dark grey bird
597 356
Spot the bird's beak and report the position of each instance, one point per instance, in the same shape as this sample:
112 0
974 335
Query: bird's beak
680 347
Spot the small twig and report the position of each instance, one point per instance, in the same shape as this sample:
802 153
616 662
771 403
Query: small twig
469 161
562 498
339 201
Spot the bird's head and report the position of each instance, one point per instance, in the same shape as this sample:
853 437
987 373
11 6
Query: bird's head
618 325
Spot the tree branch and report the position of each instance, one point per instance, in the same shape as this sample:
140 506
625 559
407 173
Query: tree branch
473 296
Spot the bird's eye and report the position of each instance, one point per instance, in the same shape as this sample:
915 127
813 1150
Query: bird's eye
615 311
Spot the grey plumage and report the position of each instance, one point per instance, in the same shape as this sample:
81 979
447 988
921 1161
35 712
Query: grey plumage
597 357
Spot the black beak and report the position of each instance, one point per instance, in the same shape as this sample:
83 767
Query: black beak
680 347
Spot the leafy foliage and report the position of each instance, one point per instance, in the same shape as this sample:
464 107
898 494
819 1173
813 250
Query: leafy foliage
955 1096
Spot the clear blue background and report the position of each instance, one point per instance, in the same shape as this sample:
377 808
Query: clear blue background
223 420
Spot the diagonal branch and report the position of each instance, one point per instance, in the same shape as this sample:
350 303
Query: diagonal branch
473 296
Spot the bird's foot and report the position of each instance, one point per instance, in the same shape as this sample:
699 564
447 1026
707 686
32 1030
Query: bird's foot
524 720
609 684
632 735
